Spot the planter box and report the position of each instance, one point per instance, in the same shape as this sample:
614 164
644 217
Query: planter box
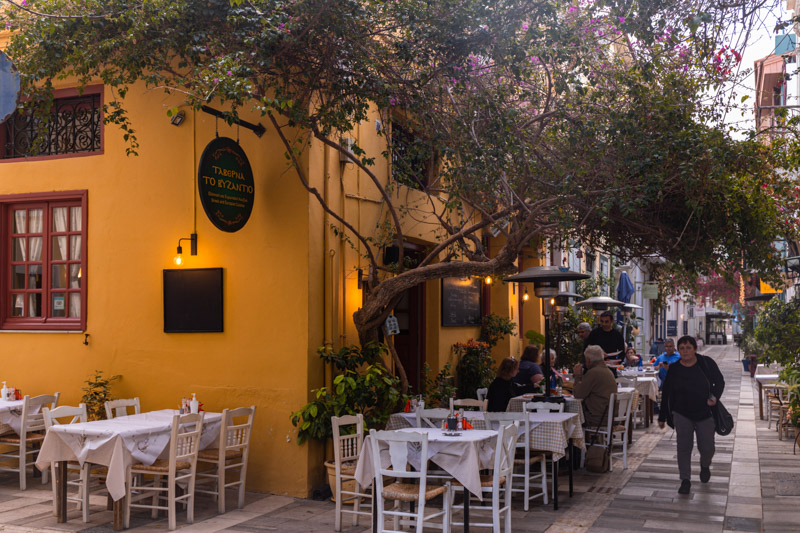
746 364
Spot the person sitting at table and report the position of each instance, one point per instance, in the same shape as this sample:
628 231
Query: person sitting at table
665 359
632 360
555 376
502 389
584 329
595 386
530 373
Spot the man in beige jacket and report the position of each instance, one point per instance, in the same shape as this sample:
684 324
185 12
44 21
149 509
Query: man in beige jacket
595 386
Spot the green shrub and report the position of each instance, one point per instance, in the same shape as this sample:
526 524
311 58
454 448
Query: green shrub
474 367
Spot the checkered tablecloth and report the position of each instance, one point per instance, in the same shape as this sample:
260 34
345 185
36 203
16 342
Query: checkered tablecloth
572 405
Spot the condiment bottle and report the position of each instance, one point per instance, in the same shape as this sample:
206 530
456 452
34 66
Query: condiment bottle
194 405
4 392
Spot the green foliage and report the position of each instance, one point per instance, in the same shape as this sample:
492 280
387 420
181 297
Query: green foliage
534 337
437 391
779 331
96 393
566 342
494 328
597 285
791 376
361 385
474 367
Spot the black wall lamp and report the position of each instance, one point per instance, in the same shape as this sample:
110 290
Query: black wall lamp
192 247
178 118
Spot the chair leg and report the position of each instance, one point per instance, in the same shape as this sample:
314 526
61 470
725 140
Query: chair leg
495 512
448 509
173 522
543 465
242 481
190 500
23 467
154 502
527 481
337 493
127 514
221 487
356 504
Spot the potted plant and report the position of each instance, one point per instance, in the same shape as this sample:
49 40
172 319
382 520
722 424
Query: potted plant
96 393
474 367
362 384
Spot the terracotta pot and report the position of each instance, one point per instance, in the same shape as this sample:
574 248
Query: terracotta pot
347 485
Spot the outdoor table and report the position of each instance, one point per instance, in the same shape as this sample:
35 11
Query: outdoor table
761 379
409 420
116 444
571 404
462 456
646 386
11 415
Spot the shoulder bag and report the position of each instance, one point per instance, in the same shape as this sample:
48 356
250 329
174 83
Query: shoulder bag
723 421
597 457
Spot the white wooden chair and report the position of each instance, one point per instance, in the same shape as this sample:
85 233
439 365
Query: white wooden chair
525 458
88 481
231 453
616 431
31 435
431 417
346 450
481 405
496 483
543 407
405 484
180 467
115 408
482 392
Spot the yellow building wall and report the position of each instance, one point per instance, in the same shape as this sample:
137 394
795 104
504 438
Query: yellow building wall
138 207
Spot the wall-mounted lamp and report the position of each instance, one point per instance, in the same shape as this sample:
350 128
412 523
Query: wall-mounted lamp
488 280
178 118
192 247
525 296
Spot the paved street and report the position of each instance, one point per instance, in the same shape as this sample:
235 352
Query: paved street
741 496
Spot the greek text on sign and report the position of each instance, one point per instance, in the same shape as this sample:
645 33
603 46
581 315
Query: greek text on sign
225 183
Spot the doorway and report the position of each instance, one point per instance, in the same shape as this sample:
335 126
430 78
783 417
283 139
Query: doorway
410 342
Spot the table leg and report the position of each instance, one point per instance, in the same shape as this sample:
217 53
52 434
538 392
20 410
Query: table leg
61 491
760 400
466 510
569 447
647 404
119 514
555 485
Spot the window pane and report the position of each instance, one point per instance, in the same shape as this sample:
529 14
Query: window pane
19 220
75 219
74 305
60 219
18 277
17 303
35 304
35 225
35 248
59 280
74 276
34 276
59 250
75 247
18 249
58 305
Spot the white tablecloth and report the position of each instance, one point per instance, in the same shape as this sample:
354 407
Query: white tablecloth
118 443
462 457
11 414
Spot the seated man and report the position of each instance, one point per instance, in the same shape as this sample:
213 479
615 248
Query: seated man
665 359
594 387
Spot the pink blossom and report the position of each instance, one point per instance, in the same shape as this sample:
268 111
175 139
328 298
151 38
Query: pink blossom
524 26
216 80
622 20
230 73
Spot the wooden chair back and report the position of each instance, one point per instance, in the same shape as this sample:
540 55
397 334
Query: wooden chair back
32 416
115 408
74 414
347 444
431 417
544 407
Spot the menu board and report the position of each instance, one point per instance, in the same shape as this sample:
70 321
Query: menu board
461 302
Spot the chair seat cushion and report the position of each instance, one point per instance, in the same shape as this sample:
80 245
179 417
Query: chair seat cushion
213 454
161 466
408 492
486 481
14 439
534 459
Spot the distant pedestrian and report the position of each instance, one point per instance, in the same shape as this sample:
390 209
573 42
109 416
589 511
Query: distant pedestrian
692 387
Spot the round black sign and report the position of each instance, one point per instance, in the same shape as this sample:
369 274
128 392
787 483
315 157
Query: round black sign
225 182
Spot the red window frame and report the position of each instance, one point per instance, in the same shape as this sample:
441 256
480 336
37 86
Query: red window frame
47 202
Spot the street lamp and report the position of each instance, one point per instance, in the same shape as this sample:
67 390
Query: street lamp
546 280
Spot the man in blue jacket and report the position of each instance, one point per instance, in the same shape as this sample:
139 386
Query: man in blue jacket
665 359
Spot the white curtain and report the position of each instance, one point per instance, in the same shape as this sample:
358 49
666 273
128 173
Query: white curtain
75 218
19 227
35 222
35 246
35 243
74 305
60 225
75 247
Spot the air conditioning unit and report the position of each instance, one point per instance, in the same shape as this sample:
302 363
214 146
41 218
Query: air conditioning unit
347 143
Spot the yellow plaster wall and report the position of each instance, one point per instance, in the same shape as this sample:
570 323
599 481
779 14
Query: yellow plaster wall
138 207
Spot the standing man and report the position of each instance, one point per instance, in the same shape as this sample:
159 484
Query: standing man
665 359
607 337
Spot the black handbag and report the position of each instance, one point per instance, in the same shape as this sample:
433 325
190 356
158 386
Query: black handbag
598 458
723 421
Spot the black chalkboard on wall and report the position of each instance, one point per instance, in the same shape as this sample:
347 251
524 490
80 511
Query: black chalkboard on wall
461 302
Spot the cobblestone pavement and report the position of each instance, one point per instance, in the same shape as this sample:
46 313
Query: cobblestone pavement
742 495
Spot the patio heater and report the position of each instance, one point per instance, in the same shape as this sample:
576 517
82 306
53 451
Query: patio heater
627 309
546 281
563 301
600 303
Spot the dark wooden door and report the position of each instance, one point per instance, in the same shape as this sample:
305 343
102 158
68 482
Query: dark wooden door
410 342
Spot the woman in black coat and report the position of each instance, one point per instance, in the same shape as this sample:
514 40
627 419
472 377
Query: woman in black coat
503 388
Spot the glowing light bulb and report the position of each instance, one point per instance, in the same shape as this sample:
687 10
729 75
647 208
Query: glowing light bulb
488 280
178 259
525 296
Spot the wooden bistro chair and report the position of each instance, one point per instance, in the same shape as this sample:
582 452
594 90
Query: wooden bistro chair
525 459
89 476
115 408
231 453
31 435
181 466
405 483
431 418
346 450
498 483
480 405
616 431
482 392
545 407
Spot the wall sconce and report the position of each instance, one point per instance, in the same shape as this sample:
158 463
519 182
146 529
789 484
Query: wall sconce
177 119
525 296
192 247
488 280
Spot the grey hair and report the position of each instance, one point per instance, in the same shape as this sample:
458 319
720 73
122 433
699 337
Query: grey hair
584 325
594 354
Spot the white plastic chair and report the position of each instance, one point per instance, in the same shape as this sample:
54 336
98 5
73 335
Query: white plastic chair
499 481
482 392
32 431
84 483
528 478
231 453
616 431
115 408
346 450
180 467
410 486
431 417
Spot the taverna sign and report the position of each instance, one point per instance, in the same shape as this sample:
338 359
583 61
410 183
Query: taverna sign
225 183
